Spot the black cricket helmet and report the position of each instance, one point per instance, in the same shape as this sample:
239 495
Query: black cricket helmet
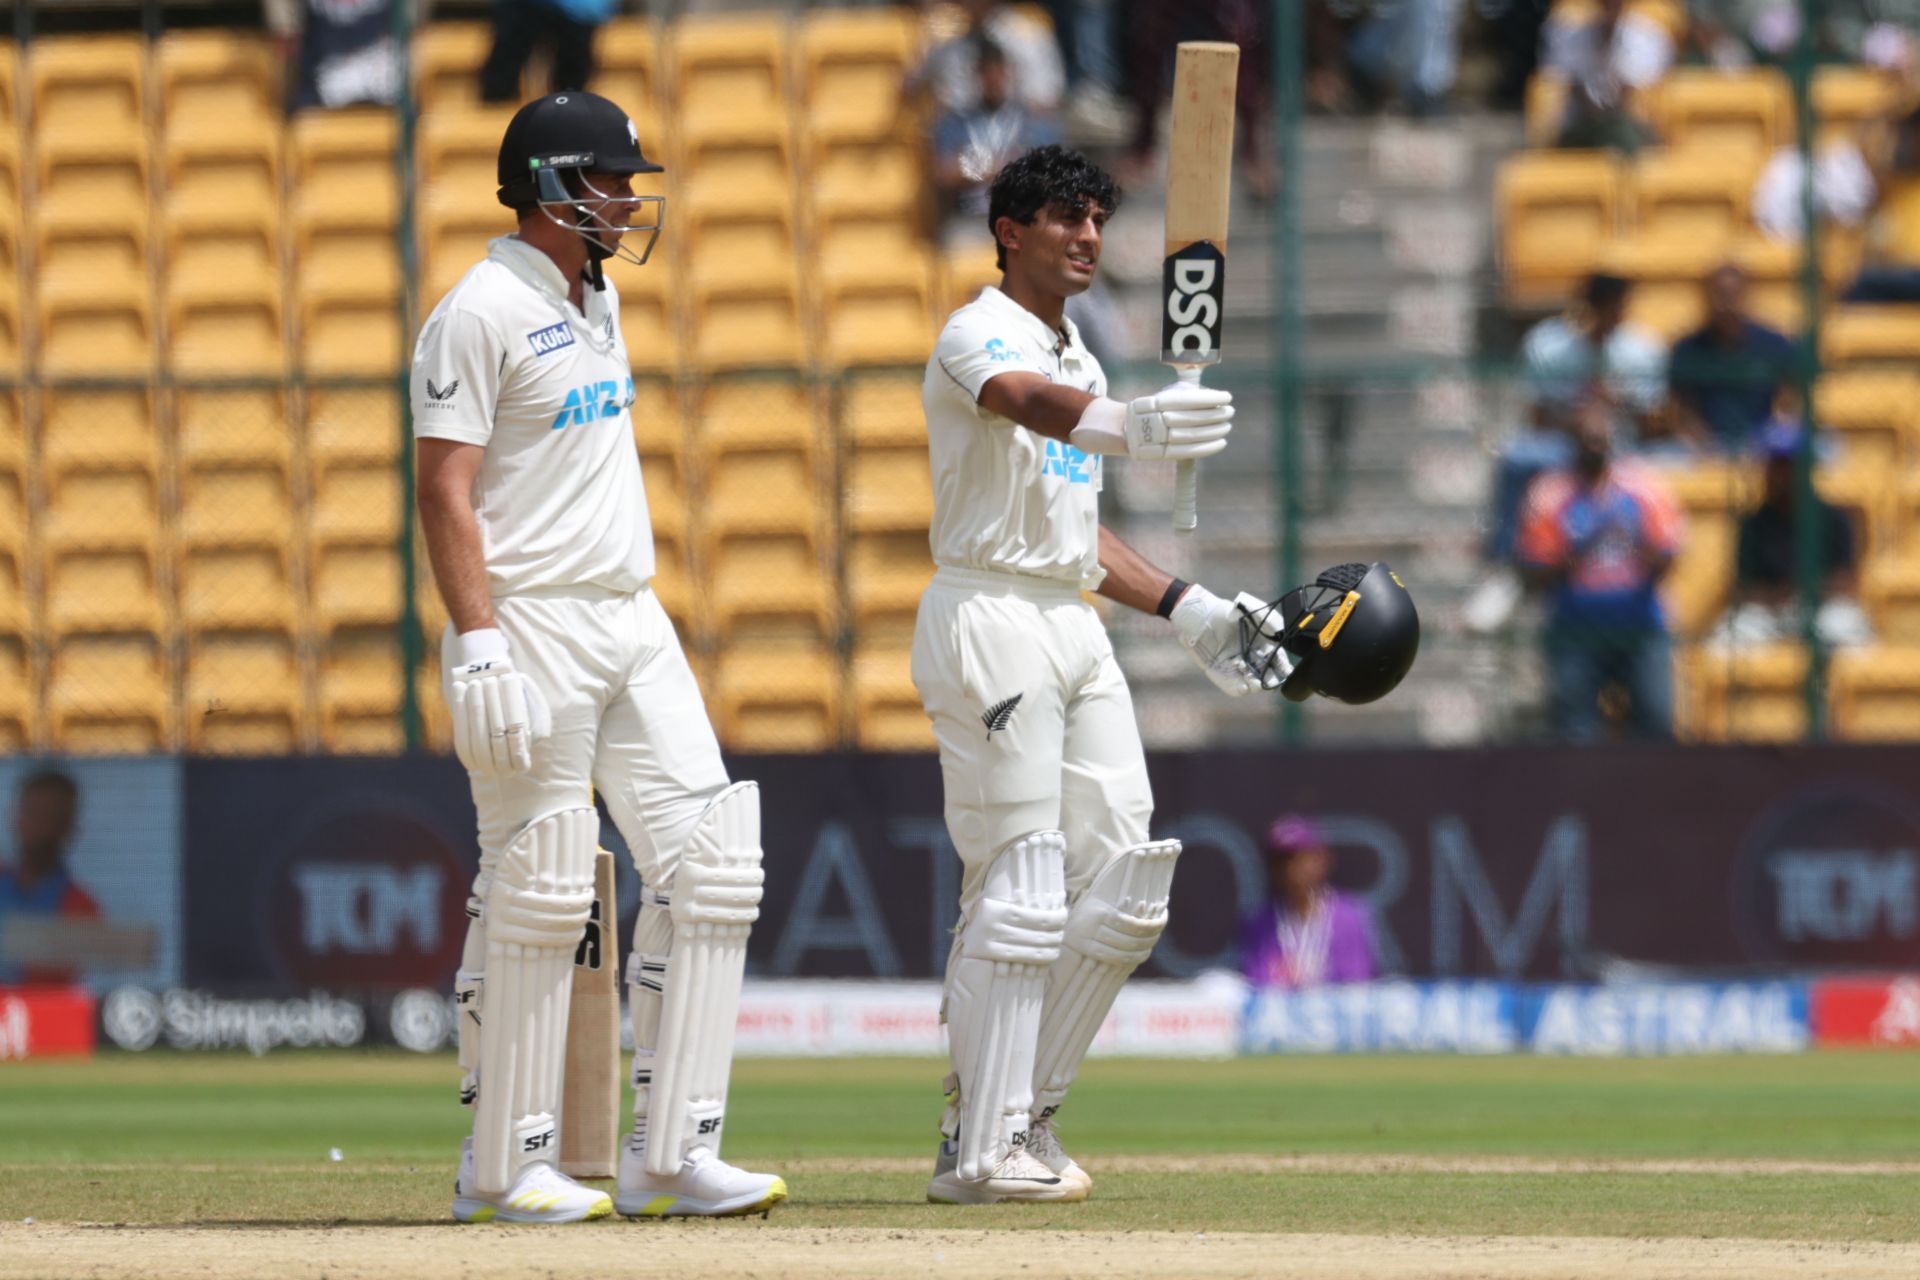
550 147
1351 633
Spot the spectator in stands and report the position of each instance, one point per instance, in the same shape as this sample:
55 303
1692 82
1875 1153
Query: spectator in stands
949 74
519 26
1727 376
1891 272
972 144
38 883
1591 351
1090 49
1597 537
1766 594
1409 50
1604 58
1844 188
1308 933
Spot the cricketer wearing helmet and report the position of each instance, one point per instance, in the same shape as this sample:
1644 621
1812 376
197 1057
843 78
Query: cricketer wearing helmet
1047 801
564 676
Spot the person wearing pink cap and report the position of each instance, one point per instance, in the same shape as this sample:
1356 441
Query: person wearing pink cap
1308 933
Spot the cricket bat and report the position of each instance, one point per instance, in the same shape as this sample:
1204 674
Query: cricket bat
1199 174
590 1089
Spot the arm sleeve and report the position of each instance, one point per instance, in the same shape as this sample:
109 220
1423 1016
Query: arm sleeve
973 352
457 365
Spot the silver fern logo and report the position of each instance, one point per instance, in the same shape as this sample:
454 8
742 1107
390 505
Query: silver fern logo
996 716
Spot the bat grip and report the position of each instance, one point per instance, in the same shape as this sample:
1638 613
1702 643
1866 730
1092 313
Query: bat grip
1186 479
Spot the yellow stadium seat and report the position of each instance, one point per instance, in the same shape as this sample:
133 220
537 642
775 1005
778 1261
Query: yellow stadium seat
883 179
237 589
82 83
235 508
1557 211
1849 95
110 695
357 506
1667 269
460 149
887 712
963 275
1876 413
13 529
215 74
212 161
657 426
778 700
16 611
1890 590
744 246
888 490
881 410
243 696
769 588
19 692
436 722
352 427
732 179
99 429
1711 487
446 64
355 587
751 414
853 68
456 228
362 688
102 593
762 493
872 252
1545 108
730 77
236 235
1869 497
878 323
13 439
349 337
1682 194
225 325
626 72
1748 694
747 325
11 330
9 83
649 322
1724 112
1696 587
1875 693
349 151
96 326
229 427
1871 334
886 576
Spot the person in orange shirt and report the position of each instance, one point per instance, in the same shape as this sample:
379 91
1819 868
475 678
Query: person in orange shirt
38 882
1597 537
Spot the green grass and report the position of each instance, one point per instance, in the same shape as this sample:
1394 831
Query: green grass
175 1138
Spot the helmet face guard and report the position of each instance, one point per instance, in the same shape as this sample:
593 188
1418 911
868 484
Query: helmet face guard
584 214
1351 634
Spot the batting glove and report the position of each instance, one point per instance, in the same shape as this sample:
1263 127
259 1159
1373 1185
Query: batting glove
1210 629
1183 422
498 713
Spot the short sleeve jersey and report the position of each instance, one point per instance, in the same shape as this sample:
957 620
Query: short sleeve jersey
507 362
1005 498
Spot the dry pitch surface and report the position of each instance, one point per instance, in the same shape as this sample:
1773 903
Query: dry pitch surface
1364 1168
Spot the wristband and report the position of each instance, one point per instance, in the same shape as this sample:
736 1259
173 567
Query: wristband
488 644
1175 590
1102 428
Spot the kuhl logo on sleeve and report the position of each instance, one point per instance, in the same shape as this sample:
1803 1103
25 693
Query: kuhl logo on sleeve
551 339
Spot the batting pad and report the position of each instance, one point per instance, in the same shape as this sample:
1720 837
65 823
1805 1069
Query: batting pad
994 991
536 909
1110 933
713 903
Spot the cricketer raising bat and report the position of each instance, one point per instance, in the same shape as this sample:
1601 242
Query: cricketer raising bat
590 1092
1199 173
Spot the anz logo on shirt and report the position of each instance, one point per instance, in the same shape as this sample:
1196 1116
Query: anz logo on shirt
592 401
1070 464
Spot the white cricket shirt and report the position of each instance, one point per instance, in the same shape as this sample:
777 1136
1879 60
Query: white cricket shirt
506 361
1005 498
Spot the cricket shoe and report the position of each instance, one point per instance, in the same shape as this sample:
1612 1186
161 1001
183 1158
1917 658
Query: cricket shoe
705 1187
1043 1144
540 1194
1017 1177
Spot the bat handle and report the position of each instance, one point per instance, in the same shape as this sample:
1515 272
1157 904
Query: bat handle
1186 478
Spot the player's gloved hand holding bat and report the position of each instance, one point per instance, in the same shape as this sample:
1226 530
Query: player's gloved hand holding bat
498 714
1179 423
1210 629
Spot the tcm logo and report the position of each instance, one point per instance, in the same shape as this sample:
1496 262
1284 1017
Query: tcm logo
364 909
1194 282
551 339
1848 895
593 401
1830 875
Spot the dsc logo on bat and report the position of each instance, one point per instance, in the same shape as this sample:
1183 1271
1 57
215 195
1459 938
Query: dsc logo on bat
1194 281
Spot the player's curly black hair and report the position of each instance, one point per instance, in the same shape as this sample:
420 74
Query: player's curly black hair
1043 178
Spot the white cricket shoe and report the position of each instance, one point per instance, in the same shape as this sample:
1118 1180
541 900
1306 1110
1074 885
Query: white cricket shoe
1043 1144
706 1187
1018 1176
540 1194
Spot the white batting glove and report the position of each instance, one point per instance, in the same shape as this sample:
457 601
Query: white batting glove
1183 422
498 714
1210 628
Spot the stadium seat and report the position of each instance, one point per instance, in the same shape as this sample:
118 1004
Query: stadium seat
1852 95
348 284
883 179
215 74
735 180
853 67
13 441
13 534
344 337
729 76
888 490
362 688
446 64
1774 293
18 693
16 610
1724 113
225 324
762 493
1545 108
102 592
355 586
243 696
1667 269
742 246
9 86
96 325
456 228
626 71
778 700
887 712
1704 487
882 410
649 317
747 325
233 234
229 427
1875 693
78 84
347 152
357 506
98 429
210 162
1890 590
1685 195
770 588
1876 414
886 576
1868 496
1871 335
751 414
963 275
1748 694
460 149
871 252
352 427
237 589
660 437
876 323
1695 589
1557 212
235 508
110 695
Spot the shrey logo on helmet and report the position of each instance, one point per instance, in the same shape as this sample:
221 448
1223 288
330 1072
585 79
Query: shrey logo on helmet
1352 634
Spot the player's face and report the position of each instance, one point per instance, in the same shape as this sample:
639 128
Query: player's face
609 199
1062 248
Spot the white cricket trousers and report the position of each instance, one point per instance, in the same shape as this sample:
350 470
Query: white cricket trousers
1034 722
627 720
